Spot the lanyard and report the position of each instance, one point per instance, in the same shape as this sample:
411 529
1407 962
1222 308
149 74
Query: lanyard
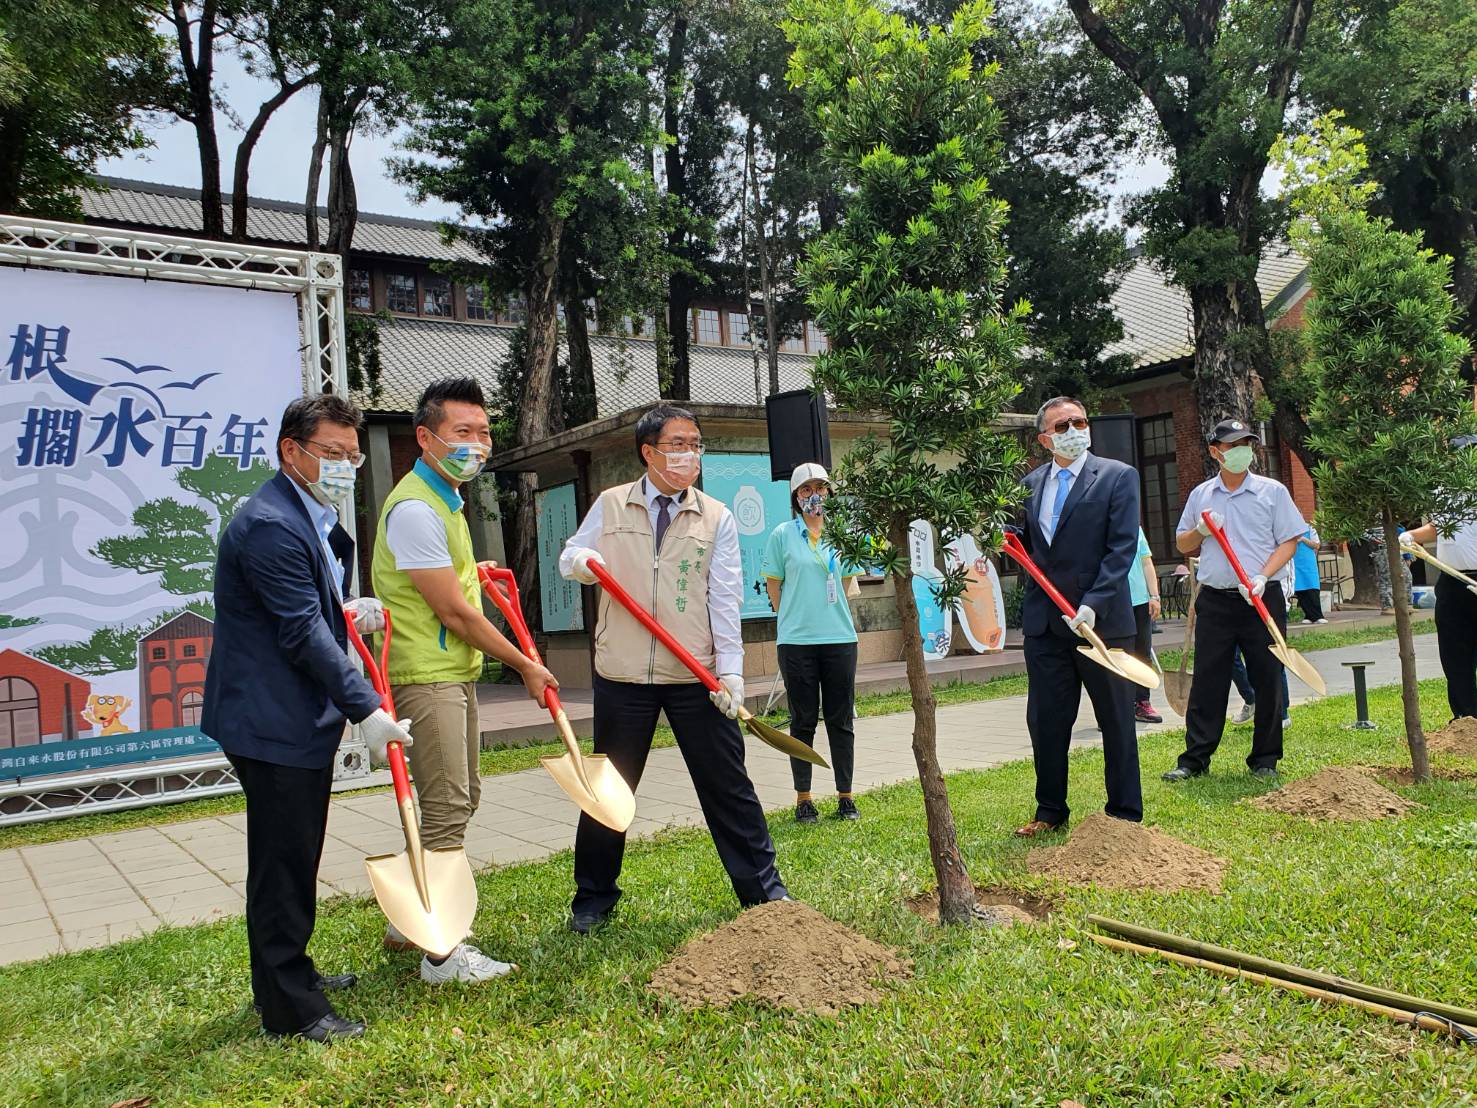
828 565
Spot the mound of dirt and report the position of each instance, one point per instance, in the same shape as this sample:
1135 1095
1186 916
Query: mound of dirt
993 907
1335 793
1116 854
1459 737
1404 775
785 953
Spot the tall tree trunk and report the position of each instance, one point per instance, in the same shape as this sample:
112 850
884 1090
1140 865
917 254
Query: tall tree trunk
1410 695
956 890
679 284
315 171
583 402
240 177
1225 359
1366 579
766 283
343 198
199 69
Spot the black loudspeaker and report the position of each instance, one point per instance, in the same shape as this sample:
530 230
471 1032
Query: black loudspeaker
1116 437
798 431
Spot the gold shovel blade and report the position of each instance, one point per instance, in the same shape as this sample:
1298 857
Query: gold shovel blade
786 744
608 800
453 894
1300 667
1177 691
1124 664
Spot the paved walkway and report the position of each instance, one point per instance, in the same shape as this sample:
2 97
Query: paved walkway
96 891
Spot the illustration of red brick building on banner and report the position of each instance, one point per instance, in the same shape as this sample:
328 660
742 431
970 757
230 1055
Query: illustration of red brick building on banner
171 672
40 702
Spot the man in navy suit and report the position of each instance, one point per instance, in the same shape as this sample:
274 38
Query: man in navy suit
278 692
1081 529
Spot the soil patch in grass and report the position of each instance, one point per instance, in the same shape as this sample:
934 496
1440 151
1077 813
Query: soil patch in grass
1459 737
1404 775
784 953
993 907
1116 854
1335 793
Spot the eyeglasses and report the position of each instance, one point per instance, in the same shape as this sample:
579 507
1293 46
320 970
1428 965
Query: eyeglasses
1061 425
677 446
333 453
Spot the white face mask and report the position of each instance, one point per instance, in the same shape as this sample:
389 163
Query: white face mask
335 482
681 468
1072 443
1238 459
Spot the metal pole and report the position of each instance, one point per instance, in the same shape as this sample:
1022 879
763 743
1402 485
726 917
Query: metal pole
1362 722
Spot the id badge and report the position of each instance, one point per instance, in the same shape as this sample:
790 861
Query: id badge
831 595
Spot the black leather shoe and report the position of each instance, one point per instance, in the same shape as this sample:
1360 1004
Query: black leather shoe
805 812
1266 773
846 809
582 923
325 1029
334 982
1178 774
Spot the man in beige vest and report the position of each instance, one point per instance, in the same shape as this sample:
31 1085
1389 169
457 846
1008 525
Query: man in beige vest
676 551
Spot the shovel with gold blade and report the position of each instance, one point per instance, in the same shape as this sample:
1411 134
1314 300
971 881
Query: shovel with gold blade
1177 684
1294 661
592 783
1124 664
776 738
1426 556
429 895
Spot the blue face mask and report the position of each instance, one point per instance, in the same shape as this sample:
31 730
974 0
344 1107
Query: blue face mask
813 505
465 460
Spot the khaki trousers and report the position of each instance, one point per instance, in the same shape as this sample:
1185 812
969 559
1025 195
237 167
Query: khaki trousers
444 757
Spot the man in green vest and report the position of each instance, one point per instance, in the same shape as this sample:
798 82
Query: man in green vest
426 574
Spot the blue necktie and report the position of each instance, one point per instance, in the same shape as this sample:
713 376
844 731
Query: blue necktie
1063 486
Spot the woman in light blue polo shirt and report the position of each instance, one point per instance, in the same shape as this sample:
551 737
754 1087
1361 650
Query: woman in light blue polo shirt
808 587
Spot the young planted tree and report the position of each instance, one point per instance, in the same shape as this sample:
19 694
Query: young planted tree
1384 358
909 287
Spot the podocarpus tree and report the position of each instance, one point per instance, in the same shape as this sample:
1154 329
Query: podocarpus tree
909 288
1388 397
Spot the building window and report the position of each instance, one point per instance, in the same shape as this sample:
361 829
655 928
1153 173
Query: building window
158 653
515 310
360 298
795 344
1159 474
188 651
191 704
738 329
815 339
705 326
435 296
20 713
477 302
400 292
1271 451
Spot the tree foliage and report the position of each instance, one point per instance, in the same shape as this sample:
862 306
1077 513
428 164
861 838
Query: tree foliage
910 286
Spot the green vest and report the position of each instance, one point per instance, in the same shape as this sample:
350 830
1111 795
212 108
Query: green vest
422 651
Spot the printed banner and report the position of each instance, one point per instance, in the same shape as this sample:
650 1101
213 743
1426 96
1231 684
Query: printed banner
135 418
758 504
559 597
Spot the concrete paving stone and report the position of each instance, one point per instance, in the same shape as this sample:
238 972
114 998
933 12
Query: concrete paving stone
90 937
115 891
189 916
355 885
511 853
54 873
27 930
137 837
71 850
15 912
17 888
29 950
200 881
221 897
178 870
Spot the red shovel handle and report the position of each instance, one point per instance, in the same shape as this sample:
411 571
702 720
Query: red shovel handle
647 620
501 588
1014 548
1225 543
376 672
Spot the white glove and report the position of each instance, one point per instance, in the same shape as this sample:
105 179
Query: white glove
1258 586
580 569
1217 518
379 731
730 697
369 614
1085 617
1407 539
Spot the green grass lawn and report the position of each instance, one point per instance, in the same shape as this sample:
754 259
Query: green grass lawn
1018 1017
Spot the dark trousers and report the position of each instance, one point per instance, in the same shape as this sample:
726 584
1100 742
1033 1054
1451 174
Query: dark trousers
1456 642
1143 643
1058 673
1224 622
713 748
1311 603
821 677
286 817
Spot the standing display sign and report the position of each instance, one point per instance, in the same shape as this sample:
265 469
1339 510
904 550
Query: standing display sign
136 417
758 504
935 620
559 597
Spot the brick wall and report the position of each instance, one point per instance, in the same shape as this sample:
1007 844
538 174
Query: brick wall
1176 397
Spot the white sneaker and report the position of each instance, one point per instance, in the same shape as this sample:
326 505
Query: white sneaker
1245 715
1320 621
466 964
394 940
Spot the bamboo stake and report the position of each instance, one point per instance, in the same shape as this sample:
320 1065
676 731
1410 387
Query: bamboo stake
1164 941
1417 1019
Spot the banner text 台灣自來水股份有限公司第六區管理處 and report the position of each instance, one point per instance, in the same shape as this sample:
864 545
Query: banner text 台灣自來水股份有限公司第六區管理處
135 418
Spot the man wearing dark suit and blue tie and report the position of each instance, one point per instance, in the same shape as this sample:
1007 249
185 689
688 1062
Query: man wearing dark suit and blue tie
277 693
1081 528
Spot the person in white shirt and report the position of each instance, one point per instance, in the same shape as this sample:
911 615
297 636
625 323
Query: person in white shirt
676 551
1262 525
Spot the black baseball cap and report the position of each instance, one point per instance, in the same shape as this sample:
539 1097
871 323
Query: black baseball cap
1231 430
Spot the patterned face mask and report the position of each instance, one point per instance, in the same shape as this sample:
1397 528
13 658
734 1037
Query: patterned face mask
813 505
1072 443
335 482
465 460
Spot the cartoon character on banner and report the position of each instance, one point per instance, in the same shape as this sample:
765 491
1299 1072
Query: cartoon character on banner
106 712
935 620
981 609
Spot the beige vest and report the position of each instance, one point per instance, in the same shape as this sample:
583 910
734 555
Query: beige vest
672 585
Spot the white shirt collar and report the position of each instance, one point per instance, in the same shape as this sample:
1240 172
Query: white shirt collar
323 516
651 492
1248 485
